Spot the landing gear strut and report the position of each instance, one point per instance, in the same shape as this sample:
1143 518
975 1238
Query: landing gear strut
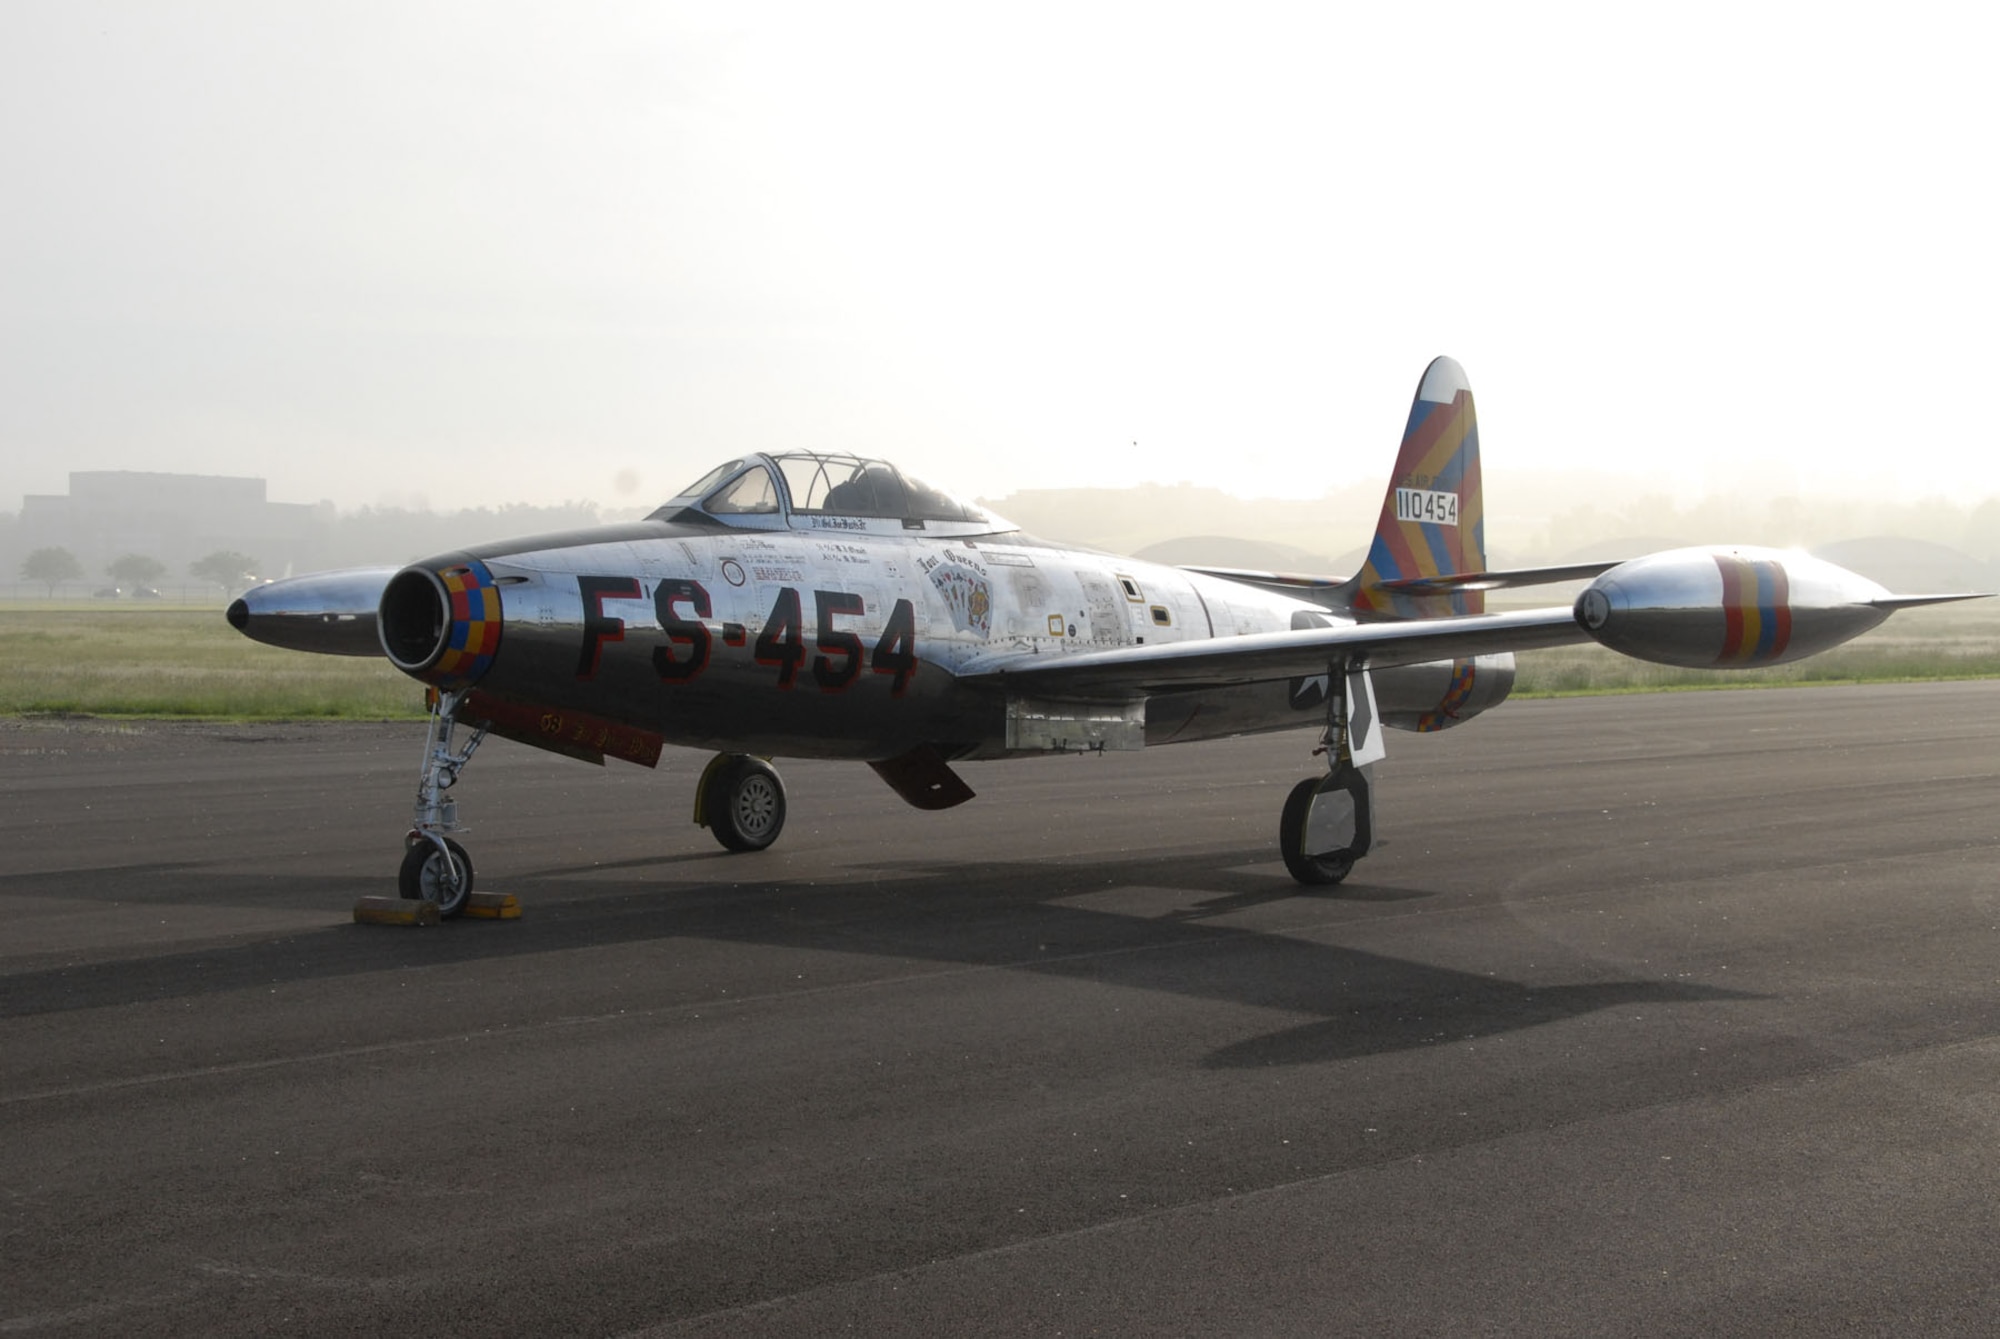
741 800
436 868
1328 821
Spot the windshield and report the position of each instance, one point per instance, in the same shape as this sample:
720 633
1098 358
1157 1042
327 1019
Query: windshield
752 495
826 491
708 481
842 485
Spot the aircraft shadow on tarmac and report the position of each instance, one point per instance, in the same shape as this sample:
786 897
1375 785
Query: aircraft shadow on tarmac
1005 915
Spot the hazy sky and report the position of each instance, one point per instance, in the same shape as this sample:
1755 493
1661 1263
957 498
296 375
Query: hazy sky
474 253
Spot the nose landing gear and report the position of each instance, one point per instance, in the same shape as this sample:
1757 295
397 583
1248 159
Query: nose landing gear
435 868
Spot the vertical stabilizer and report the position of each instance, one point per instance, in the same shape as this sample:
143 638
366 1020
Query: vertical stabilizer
1433 520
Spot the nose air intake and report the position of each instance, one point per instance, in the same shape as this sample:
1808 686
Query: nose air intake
441 624
413 618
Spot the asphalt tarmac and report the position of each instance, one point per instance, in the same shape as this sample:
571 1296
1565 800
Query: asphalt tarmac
1649 1015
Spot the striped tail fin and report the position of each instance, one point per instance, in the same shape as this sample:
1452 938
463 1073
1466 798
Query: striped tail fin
1433 521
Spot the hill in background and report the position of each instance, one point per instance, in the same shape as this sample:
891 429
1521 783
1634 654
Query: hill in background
1537 521
1533 520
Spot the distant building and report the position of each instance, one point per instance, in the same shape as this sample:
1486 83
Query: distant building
176 518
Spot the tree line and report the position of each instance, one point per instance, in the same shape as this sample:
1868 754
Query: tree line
225 568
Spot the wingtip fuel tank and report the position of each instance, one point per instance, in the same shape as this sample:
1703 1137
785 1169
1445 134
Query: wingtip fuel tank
1708 608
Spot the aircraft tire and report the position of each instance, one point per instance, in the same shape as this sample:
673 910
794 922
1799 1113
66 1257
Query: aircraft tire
1317 871
423 877
745 804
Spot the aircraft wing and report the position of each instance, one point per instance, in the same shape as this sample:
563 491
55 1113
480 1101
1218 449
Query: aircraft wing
1134 671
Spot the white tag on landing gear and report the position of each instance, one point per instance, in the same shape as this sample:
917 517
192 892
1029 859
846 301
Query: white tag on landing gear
1365 743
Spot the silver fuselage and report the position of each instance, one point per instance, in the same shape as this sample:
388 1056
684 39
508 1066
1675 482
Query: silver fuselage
849 643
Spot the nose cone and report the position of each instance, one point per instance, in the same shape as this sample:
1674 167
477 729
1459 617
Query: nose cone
332 613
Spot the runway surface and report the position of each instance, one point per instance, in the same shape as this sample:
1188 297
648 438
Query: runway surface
1661 1015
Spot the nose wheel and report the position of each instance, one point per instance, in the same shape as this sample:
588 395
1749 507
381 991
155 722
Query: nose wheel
436 868
741 800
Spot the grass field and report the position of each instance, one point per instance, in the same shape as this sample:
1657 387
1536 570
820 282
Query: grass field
179 661
1959 641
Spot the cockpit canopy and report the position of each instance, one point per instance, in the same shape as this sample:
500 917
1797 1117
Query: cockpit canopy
815 490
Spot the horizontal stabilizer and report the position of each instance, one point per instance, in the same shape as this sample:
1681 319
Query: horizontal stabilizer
1522 576
1292 583
1285 583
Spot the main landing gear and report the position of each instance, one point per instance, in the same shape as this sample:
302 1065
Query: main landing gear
1328 821
741 800
436 868
1326 825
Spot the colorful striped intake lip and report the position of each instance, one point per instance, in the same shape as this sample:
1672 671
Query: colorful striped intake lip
442 625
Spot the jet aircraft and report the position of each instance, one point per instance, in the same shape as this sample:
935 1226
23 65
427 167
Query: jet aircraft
818 605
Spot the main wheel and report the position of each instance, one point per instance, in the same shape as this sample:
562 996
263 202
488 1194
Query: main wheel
1313 870
745 804
426 877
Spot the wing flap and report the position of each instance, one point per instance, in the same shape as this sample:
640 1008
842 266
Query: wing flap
1134 671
